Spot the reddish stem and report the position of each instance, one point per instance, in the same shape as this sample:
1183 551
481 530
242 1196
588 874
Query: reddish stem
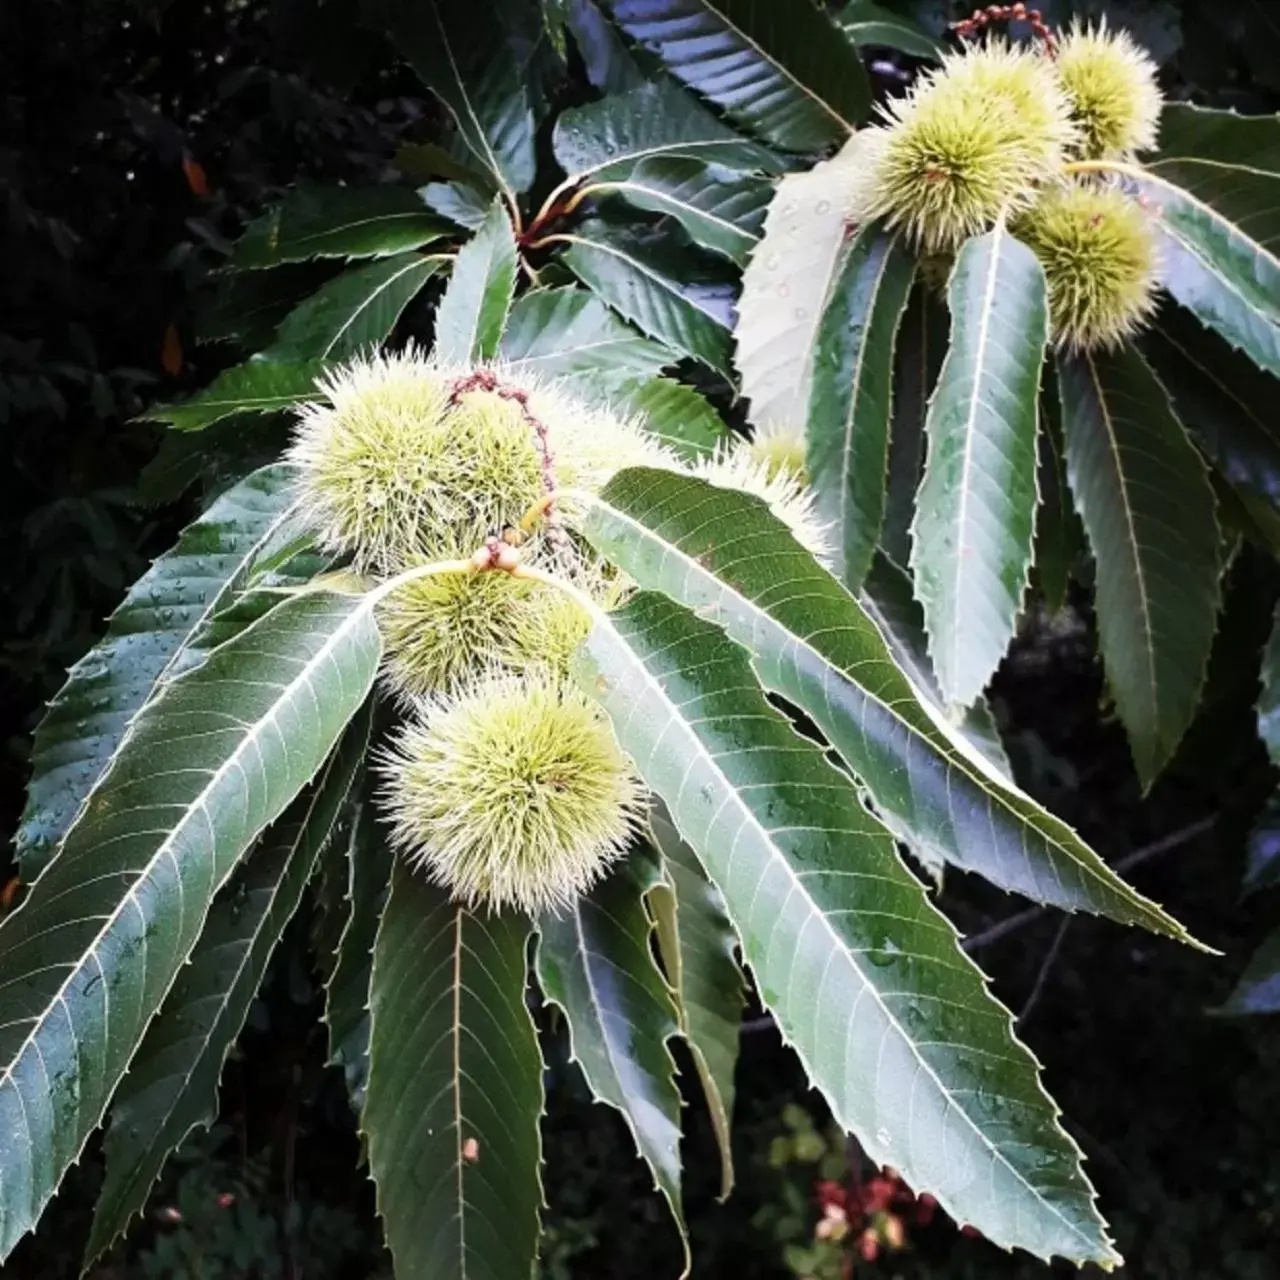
487 380
980 19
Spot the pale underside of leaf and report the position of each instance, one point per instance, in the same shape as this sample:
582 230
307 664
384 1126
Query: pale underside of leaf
785 290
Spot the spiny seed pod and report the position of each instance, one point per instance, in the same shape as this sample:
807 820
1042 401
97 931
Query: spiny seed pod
513 793
788 498
781 451
407 458
440 630
1111 84
1099 257
970 141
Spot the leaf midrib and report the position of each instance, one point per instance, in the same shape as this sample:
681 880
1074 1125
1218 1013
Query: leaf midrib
975 399
732 796
855 396
659 194
418 263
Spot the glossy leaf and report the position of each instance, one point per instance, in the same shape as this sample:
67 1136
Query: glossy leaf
651 122
868 23
366 865
922 343
1148 509
1224 400
93 950
1258 990
1059 536
785 290
682 418
478 79
720 210
1189 132
561 333
258 386
699 950
852 396
172 1084
464 205
1220 248
473 311
355 312
725 555
971 542
887 600
595 962
786 72
337 222
863 976
105 689
607 61
455 1088
660 291
248 305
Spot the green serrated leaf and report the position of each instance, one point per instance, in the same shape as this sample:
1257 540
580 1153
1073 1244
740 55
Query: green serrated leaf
868 23
1189 132
609 64
786 72
1148 509
455 1088
172 1084
337 222
367 866
971 542
92 952
719 209
1059 535
682 418
726 555
1225 400
473 311
563 333
594 961
355 312
661 291
922 343
258 386
887 600
785 290
651 122
864 977
477 78
105 689
699 950
1219 229
851 396
248 305
464 205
